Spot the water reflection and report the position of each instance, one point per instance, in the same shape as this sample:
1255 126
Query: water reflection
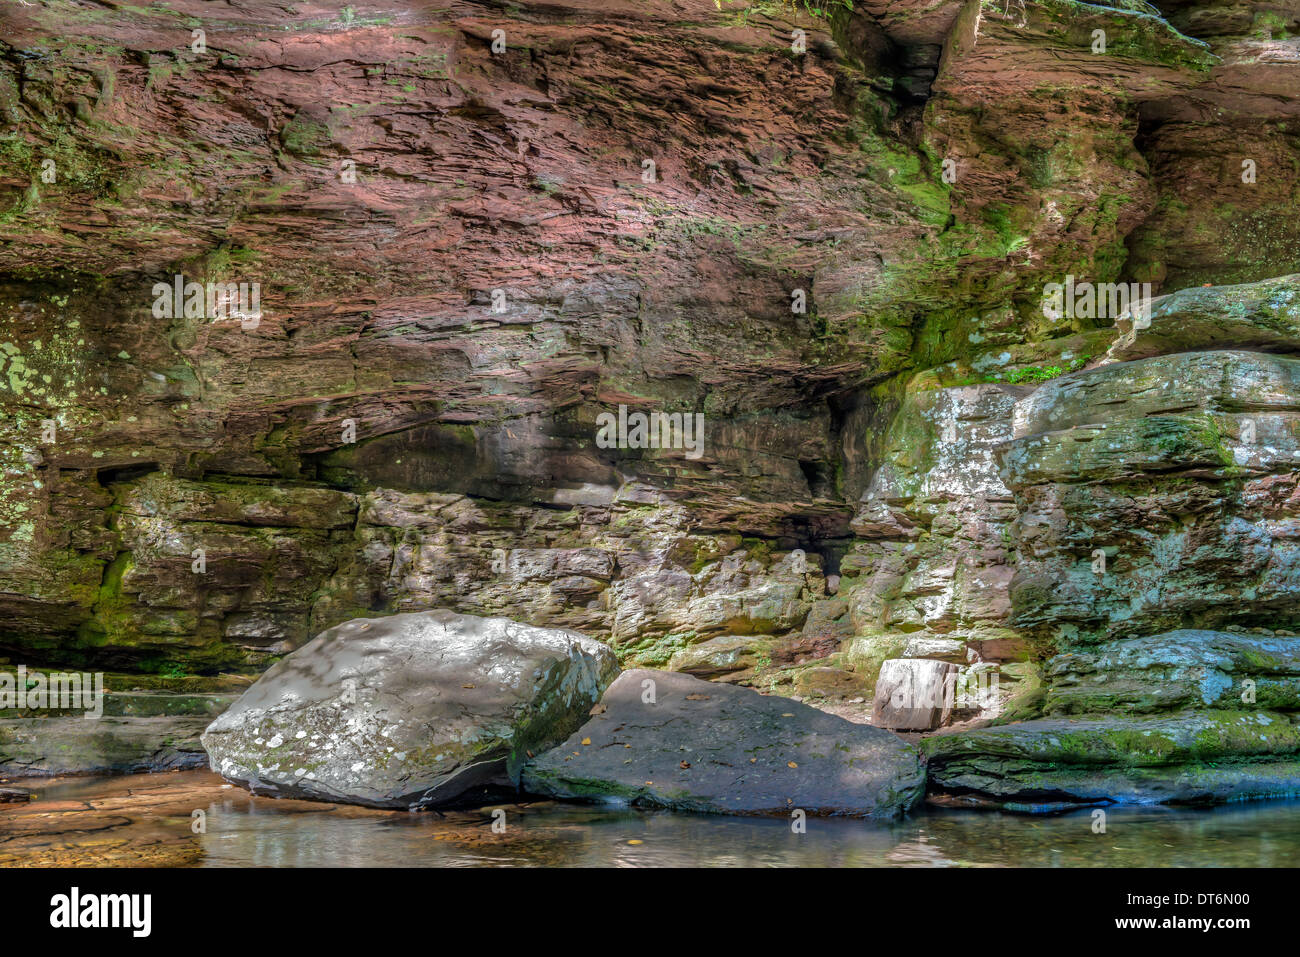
1264 835
146 819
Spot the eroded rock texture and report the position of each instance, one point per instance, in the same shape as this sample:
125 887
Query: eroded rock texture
837 254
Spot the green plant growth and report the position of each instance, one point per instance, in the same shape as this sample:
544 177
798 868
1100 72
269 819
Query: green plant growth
822 9
1039 373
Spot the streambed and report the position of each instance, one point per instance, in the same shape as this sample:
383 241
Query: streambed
150 820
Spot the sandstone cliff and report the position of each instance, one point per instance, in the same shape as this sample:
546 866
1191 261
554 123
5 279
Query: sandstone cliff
476 228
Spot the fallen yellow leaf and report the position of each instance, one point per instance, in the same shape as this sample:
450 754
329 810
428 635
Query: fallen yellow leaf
791 764
586 740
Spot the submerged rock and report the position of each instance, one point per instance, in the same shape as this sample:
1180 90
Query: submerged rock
409 711
668 740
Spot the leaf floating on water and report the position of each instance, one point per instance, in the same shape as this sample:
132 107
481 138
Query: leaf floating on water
467 686
791 764
586 741
788 714
684 765
635 841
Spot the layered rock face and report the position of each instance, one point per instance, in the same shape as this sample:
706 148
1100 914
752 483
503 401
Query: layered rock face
1157 509
476 230
933 557
1159 493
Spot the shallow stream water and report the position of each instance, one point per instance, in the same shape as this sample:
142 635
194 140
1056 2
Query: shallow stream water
151 819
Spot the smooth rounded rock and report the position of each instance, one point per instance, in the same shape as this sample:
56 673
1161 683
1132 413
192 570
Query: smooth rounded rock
409 711
665 739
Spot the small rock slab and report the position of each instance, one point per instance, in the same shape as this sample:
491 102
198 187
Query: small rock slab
14 795
668 740
914 694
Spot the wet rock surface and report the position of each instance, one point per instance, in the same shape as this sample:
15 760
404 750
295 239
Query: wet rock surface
1180 471
1178 669
663 739
1152 495
409 711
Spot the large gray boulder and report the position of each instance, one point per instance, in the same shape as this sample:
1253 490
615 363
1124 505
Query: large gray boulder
665 739
409 711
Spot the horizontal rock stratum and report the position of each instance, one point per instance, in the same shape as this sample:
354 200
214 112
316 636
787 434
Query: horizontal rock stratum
665 739
1187 757
408 711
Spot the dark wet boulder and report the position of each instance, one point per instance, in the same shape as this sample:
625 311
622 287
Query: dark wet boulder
409 711
664 739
